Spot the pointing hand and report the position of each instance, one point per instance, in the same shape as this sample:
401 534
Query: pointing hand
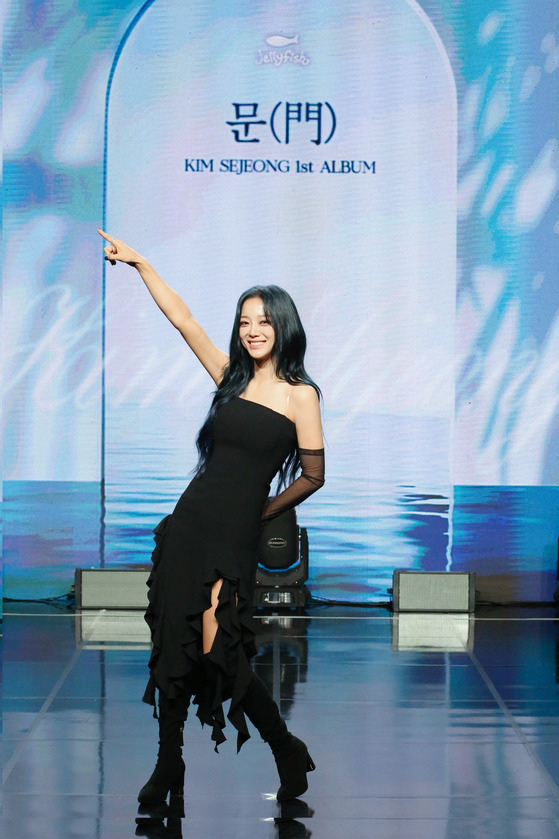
117 251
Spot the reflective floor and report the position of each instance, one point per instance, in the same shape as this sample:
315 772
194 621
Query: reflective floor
420 726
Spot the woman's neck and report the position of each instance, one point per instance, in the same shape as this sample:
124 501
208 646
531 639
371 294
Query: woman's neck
265 373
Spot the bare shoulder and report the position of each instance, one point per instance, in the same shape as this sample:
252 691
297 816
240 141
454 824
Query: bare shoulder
305 413
304 396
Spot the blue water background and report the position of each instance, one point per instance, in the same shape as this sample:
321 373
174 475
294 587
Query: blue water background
507 535
50 529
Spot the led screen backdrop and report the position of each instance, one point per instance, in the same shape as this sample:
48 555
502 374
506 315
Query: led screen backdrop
394 166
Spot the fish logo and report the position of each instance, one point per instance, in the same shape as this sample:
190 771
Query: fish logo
281 40
285 50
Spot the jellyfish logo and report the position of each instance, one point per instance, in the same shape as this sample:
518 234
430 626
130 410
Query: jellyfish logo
284 50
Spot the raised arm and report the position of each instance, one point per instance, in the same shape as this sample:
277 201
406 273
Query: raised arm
172 305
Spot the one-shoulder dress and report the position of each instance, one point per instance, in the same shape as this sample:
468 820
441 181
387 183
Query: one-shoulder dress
212 534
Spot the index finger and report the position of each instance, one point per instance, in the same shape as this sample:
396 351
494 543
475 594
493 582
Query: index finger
104 235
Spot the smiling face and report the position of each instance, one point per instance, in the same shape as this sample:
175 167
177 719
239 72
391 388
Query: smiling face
257 334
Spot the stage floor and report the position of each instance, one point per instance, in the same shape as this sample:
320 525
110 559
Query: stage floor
420 726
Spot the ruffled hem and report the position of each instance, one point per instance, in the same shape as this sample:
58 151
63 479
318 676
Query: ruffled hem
177 664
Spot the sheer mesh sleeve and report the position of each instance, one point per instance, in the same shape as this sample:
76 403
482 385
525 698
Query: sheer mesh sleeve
310 479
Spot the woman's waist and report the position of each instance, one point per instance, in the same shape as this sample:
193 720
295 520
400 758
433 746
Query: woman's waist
210 492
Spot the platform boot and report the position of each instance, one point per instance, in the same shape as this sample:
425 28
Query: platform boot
168 775
291 755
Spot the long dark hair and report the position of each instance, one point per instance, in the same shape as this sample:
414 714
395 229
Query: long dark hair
288 356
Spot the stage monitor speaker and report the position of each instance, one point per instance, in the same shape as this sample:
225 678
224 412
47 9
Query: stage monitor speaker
433 591
111 588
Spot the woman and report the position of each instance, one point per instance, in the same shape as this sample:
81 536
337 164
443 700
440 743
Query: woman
264 419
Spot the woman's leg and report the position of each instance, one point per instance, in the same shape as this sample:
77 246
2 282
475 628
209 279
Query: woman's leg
292 758
209 620
210 623
168 775
291 755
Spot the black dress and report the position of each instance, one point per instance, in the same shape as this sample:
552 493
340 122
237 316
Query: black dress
212 534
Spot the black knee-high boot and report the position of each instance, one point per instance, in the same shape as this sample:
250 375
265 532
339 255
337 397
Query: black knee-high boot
168 775
292 758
